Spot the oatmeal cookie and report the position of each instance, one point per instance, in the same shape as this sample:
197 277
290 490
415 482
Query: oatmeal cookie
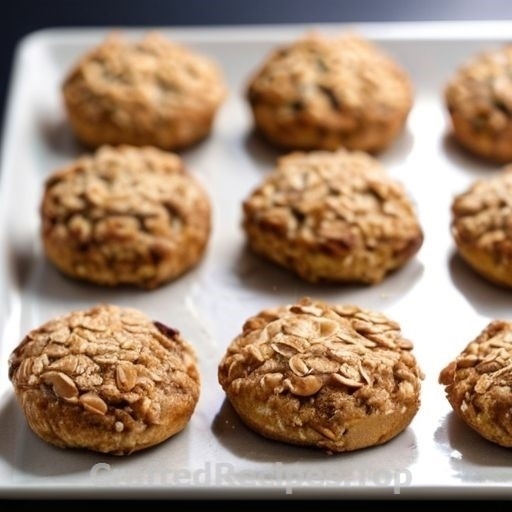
106 379
332 216
336 377
479 102
148 92
325 93
477 383
125 215
482 227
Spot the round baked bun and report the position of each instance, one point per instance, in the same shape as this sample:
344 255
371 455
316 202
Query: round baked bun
321 92
332 217
152 91
106 379
481 227
335 377
479 101
125 216
477 383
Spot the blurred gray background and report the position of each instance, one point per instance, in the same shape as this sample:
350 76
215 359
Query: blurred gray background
20 17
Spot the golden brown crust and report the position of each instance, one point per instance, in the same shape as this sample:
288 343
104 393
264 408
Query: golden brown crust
332 217
150 92
336 377
479 100
326 93
106 379
482 227
125 215
478 383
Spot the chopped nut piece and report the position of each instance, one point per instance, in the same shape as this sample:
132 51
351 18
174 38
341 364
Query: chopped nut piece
93 403
346 381
298 366
62 385
126 376
304 386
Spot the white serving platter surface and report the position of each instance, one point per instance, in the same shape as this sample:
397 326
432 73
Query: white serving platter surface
440 304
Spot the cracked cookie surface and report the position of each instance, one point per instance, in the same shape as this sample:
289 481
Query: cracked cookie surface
148 92
332 216
336 377
125 216
481 226
478 383
107 379
322 92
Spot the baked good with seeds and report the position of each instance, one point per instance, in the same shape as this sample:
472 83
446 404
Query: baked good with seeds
332 217
481 227
152 91
477 383
478 98
321 92
335 377
106 379
125 216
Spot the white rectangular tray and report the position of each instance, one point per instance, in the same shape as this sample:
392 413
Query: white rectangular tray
439 303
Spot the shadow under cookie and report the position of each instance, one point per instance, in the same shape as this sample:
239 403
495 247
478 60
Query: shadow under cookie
264 276
484 296
469 453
